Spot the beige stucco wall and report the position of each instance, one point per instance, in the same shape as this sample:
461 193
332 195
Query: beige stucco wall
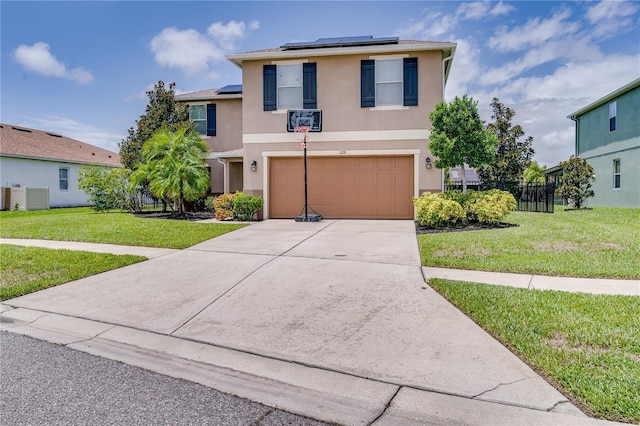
228 135
347 129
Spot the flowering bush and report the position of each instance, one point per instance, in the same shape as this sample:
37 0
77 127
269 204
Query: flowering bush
490 206
435 211
223 205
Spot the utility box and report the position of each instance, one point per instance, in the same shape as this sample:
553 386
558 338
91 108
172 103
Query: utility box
30 198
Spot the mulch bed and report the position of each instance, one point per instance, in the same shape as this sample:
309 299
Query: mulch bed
190 216
469 227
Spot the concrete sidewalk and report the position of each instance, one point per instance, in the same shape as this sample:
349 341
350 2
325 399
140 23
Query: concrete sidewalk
330 320
148 252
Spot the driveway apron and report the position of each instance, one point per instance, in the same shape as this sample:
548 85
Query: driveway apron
345 296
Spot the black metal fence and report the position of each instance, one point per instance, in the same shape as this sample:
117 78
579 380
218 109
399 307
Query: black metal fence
531 197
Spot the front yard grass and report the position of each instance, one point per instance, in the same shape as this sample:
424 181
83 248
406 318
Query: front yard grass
603 242
29 269
83 224
586 345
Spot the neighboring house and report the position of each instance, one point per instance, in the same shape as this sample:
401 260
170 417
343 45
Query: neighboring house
37 159
608 137
367 100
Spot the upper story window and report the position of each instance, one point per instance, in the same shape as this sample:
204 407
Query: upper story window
204 115
616 174
289 86
63 178
389 82
613 107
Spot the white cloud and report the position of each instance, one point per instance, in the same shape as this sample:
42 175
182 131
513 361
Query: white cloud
611 17
192 51
481 9
38 58
567 49
73 129
465 68
535 32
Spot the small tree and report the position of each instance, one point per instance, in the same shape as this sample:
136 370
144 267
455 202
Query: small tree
458 136
513 151
576 180
162 112
173 164
534 173
106 186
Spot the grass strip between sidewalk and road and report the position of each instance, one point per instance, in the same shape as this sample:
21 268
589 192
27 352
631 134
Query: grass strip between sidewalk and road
598 243
83 224
586 345
29 269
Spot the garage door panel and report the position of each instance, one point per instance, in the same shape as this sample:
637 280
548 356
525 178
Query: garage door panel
343 187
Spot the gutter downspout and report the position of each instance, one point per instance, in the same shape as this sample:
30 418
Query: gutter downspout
444 78
225 185
577 137
444 75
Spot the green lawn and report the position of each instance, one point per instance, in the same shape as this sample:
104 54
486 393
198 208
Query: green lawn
83 224
603 242
586 345
29 269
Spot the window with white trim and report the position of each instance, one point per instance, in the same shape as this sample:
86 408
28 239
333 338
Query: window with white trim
198 113
616 173
389 82
289 86
63 178
613 107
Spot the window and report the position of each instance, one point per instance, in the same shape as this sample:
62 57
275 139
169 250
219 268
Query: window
389 82
204 115
63 178
616 174
289 86
612 116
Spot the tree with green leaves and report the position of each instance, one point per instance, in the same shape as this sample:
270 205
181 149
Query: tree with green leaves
173 165
162 112
106 186
458 136
513 151
534 173
575 183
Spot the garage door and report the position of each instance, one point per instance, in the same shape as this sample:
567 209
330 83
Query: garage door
343 187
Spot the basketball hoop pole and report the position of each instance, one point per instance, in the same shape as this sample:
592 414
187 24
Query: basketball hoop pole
314 217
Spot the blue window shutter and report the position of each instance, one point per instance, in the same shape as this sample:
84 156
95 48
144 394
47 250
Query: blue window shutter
270 87
309 86
367 83
410 82
211 119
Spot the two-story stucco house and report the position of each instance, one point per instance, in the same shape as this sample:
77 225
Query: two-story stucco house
608 137
367 101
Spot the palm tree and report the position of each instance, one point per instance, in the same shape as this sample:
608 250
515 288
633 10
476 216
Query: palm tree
534 173
173 164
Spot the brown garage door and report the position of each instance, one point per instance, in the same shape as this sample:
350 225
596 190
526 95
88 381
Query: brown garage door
343 187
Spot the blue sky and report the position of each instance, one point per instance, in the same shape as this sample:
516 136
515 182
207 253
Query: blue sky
81 68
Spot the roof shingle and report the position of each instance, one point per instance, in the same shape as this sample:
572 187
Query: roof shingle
16 141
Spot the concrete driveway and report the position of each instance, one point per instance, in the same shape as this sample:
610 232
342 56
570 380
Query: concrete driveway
331 320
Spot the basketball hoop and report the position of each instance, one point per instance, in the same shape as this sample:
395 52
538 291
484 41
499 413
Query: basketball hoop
302 135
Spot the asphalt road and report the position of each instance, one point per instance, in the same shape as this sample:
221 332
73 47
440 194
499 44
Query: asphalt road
46 384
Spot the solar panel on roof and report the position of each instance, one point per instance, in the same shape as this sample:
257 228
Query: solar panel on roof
340 42
231 89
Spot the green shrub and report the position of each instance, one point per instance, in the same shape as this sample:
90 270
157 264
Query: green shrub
490 206
436 211
223 206
246 205
106 186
